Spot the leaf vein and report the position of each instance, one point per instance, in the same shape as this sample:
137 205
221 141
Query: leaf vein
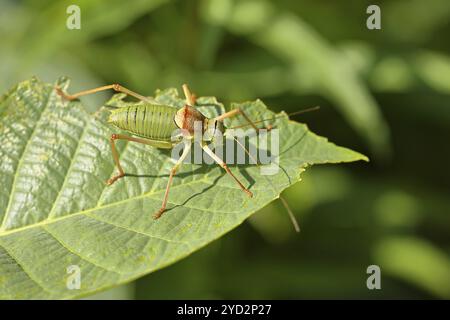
27 273
65 246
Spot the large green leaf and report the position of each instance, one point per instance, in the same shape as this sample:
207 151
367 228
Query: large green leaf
56 210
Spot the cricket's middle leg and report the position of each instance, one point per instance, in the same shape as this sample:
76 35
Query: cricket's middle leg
173 171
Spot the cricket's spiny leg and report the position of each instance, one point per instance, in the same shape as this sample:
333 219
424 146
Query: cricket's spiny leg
225 167
116 87
234 113
173 171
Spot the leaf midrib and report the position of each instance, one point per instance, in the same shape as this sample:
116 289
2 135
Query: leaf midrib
99 207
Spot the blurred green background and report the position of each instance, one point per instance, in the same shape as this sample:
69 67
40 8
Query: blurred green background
385 93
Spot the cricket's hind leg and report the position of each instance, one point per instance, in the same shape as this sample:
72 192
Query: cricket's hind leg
115 154
191 98
116 87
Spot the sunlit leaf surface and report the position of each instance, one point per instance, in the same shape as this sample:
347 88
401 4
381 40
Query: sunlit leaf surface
56 211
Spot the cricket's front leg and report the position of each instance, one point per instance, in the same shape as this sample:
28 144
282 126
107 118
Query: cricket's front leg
221 163
173 171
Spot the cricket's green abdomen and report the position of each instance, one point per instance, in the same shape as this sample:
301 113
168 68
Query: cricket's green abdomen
150 121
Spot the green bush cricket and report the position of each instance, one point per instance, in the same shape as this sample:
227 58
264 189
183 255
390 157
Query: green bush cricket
153 124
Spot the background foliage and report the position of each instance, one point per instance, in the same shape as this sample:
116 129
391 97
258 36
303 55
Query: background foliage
384 93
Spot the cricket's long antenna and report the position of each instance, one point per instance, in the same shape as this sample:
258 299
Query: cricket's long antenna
283 201
246 151
289 114
291 214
